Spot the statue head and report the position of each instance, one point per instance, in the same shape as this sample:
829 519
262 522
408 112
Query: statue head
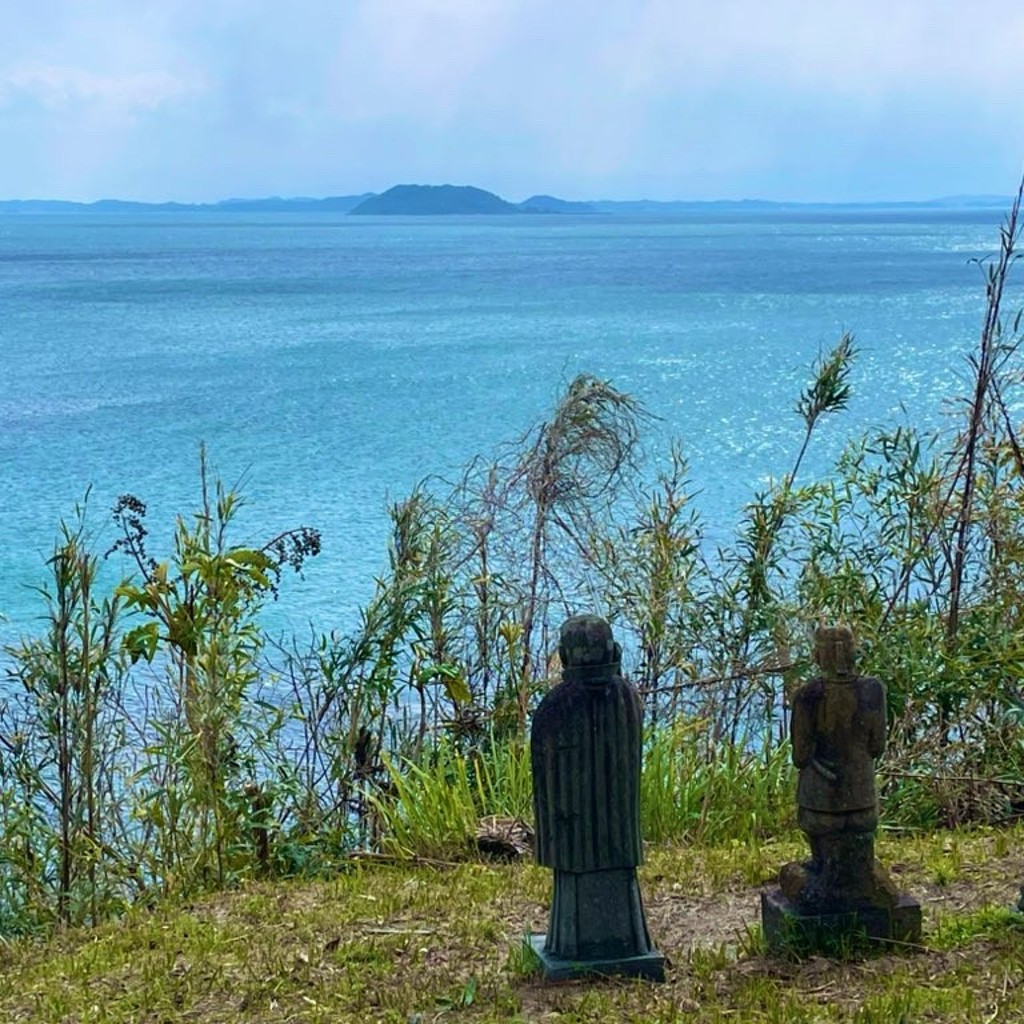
834 652
587 650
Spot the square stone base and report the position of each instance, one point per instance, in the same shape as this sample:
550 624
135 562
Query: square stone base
787 928
651 966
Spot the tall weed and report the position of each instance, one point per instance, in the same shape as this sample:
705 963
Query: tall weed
61 745
436 804
693 792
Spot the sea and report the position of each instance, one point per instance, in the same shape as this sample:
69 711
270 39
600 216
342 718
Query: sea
328 363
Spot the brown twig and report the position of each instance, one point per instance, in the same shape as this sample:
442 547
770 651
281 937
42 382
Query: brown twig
763 670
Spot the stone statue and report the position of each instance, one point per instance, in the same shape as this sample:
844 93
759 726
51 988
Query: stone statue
837 730
838 727
585 750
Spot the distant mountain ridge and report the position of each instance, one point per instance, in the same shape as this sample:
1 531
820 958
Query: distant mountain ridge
272 204
442 200
653 206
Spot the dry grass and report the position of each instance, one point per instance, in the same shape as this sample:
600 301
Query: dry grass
395 943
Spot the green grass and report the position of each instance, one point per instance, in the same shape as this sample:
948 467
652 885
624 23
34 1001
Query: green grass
436 805
398 943
739 793
737 796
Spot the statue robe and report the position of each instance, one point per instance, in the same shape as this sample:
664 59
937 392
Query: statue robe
585 752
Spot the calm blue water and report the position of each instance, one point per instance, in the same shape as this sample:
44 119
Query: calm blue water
334 361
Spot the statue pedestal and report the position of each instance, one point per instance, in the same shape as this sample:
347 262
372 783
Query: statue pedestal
650 966
787 926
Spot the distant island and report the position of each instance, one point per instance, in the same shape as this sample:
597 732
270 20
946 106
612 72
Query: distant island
444 200
550 204
434 200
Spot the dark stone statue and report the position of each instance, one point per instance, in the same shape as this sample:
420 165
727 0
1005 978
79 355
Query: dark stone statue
586 748
837 728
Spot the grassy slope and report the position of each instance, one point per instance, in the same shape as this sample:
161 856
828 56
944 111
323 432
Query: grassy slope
416 944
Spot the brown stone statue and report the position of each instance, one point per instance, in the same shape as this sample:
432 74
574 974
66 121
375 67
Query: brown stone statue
838 727
585 749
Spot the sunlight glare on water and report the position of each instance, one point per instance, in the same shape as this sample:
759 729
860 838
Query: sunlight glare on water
332 362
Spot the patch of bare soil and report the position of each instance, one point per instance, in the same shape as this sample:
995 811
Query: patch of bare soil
680 923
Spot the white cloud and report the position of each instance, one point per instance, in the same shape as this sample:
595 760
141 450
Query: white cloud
854 47
668 97
420 58
62 89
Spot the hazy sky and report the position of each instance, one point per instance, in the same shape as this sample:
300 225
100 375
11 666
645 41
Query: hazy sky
689 99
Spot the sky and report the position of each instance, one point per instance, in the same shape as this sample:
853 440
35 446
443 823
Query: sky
814 100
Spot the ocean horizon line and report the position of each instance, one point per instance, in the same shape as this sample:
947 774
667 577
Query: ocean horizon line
537 203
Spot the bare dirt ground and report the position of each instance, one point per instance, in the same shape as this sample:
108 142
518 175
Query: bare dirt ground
966 875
